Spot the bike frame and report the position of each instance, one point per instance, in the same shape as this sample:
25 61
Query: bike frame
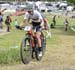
31 34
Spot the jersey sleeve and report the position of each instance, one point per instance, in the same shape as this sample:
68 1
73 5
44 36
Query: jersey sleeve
40 16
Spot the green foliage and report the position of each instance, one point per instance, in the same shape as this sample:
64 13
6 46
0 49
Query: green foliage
71 1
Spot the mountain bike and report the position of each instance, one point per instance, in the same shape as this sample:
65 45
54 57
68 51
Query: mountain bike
29 47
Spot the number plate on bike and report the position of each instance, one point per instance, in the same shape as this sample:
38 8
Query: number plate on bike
27 28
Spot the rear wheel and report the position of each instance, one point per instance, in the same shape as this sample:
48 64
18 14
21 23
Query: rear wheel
26 50
43 45
37 54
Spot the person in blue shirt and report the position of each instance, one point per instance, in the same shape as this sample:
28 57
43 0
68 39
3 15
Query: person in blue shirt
1 20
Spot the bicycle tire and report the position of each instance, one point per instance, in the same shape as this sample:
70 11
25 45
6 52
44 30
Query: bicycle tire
43 45
26 50
38 58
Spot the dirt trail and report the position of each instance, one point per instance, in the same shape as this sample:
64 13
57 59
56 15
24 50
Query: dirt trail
3 32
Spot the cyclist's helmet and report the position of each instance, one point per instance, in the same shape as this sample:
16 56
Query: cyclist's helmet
30 8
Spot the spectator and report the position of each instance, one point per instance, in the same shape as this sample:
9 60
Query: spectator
52 25
1 17
7 22
54 21
16 22
66 24
1 20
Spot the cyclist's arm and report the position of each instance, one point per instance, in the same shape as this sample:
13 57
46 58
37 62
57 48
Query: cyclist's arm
46 22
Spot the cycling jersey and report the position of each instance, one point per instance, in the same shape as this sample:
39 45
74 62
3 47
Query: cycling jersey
35 17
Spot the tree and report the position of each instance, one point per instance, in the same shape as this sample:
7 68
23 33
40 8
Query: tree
71 1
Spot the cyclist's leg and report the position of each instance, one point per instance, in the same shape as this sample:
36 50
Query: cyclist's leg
38 33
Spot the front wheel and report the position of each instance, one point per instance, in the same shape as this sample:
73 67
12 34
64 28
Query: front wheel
26 50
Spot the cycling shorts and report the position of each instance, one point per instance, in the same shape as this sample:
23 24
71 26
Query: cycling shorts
37 26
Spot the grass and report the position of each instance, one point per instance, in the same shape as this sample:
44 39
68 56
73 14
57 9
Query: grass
9 54
10 43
